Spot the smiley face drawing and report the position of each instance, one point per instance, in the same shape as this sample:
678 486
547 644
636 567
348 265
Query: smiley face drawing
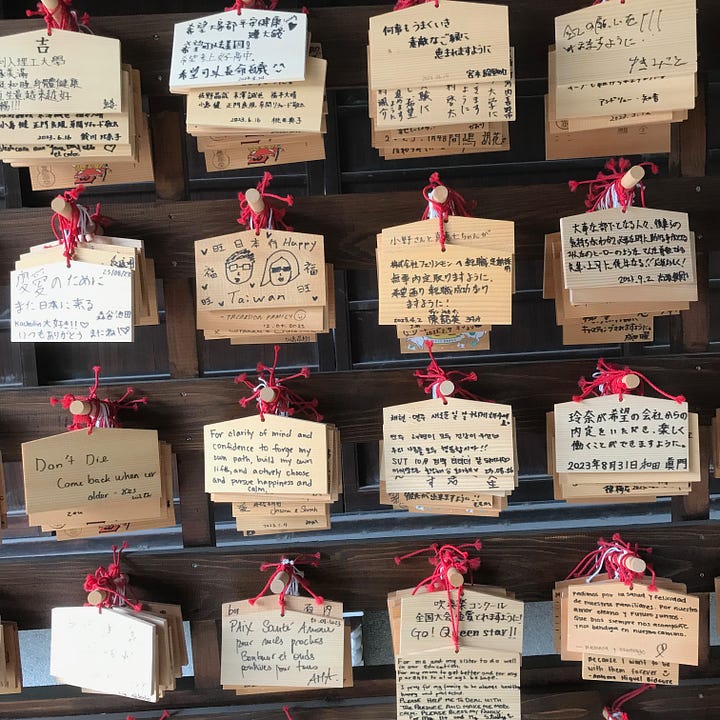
239 266
281 268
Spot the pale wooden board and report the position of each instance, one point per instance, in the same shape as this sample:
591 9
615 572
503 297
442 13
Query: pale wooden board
254 154
56 60
457 338
478 25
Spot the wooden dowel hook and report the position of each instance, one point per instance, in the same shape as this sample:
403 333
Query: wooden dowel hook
636 564
631 381
255 201
80 407
455 578
51 5
607 714
267 394
62 207
632 177
96 597
440 194
446 388
279 582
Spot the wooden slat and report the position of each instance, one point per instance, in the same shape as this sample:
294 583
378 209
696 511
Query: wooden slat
350 223
696 505
693 138
168 147
206 653
196 514
180 328
356 571
180 408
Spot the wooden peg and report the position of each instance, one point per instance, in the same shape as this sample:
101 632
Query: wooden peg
607 714
96 597
446 388
80 407
440 194
255 201
279 582
267 394
51 5
61 207
455 578
631 381
636 564
632 177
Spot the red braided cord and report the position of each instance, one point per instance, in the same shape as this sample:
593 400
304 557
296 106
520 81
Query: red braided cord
615 711
62 18
103 413
267 219
112 582
290 568
445 558
403 4
612 557
600 190
608 379
433 377
285 402
164 716
454 205
252 5
286 710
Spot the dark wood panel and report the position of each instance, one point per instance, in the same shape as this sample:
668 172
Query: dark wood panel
351 222
357 571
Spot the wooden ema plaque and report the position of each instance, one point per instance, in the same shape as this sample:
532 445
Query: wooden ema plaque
256 46
66 71
459 446
261 650
119 650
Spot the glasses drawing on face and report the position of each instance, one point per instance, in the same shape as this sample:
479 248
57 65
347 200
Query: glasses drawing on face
239 266
281 268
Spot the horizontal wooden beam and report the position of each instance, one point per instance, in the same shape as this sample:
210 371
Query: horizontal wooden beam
351 400
356 571
350 223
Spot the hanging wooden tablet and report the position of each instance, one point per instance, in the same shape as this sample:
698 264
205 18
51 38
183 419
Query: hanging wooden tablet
445 628
98 478
286 642
264 284
614 269
75 102
453 455
446 272
114 644
613 442
458 91
279 472
622 625
10 665
617 77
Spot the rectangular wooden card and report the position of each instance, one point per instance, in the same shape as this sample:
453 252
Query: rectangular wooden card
265 154
632 670
609 329
231 48
454 338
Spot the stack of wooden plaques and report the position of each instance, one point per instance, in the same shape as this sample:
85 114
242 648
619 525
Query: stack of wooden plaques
81 484
612 271
453 295
627 448
100 295
307 647
10 667
485 669
645 633
264 286
456 65
451 457
255 88
119 650
617 78
280 473
75 115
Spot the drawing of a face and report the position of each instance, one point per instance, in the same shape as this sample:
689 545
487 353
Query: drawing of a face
239 266
281 268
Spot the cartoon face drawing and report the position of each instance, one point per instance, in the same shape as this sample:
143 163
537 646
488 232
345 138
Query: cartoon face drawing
239 266
281 268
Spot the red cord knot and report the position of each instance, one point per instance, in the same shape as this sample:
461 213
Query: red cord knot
607 189
609 379
63 17
73 222
403 4
257 214
90 411
451 563
273 397
614 712
619 559
241 5
441 384
287 578
111 584
442 204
